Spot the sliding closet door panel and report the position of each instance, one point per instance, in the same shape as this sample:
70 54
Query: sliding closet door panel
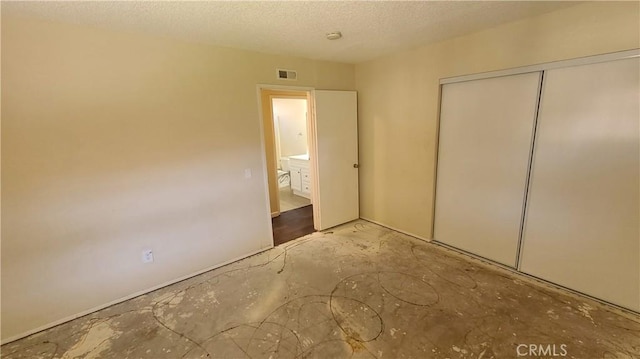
582 223
484 146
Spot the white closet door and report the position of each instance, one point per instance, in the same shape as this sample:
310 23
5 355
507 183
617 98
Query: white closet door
486 129
582 223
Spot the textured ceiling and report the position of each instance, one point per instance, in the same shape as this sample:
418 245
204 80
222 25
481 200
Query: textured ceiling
370 28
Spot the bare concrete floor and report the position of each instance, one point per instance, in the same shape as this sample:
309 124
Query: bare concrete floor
360 291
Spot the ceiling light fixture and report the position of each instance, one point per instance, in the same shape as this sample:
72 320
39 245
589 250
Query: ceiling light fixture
334 35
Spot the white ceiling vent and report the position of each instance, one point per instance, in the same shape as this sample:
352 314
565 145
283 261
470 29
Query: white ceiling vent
286 74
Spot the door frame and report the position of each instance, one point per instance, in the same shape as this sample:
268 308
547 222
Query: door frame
311 143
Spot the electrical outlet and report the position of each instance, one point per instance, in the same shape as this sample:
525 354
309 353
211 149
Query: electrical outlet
247 173
147 256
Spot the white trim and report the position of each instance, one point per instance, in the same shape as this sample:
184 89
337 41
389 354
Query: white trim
397 230
128 297
265 179
545 66
312 138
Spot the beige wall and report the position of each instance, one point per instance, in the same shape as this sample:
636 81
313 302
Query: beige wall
398 98
113 143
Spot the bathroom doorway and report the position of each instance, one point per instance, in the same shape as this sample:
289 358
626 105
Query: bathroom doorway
286 123
327 172
290 116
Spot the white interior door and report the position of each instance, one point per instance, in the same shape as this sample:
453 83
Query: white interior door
582 225
486 130
336 179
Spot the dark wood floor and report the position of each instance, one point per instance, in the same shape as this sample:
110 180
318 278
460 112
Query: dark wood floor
292 224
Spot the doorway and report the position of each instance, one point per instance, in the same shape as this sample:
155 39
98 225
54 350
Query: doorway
327 172
292 152
286 123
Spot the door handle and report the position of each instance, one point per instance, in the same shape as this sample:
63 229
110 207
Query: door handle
355 165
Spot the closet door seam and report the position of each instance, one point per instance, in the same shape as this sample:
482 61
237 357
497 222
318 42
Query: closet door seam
527 183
